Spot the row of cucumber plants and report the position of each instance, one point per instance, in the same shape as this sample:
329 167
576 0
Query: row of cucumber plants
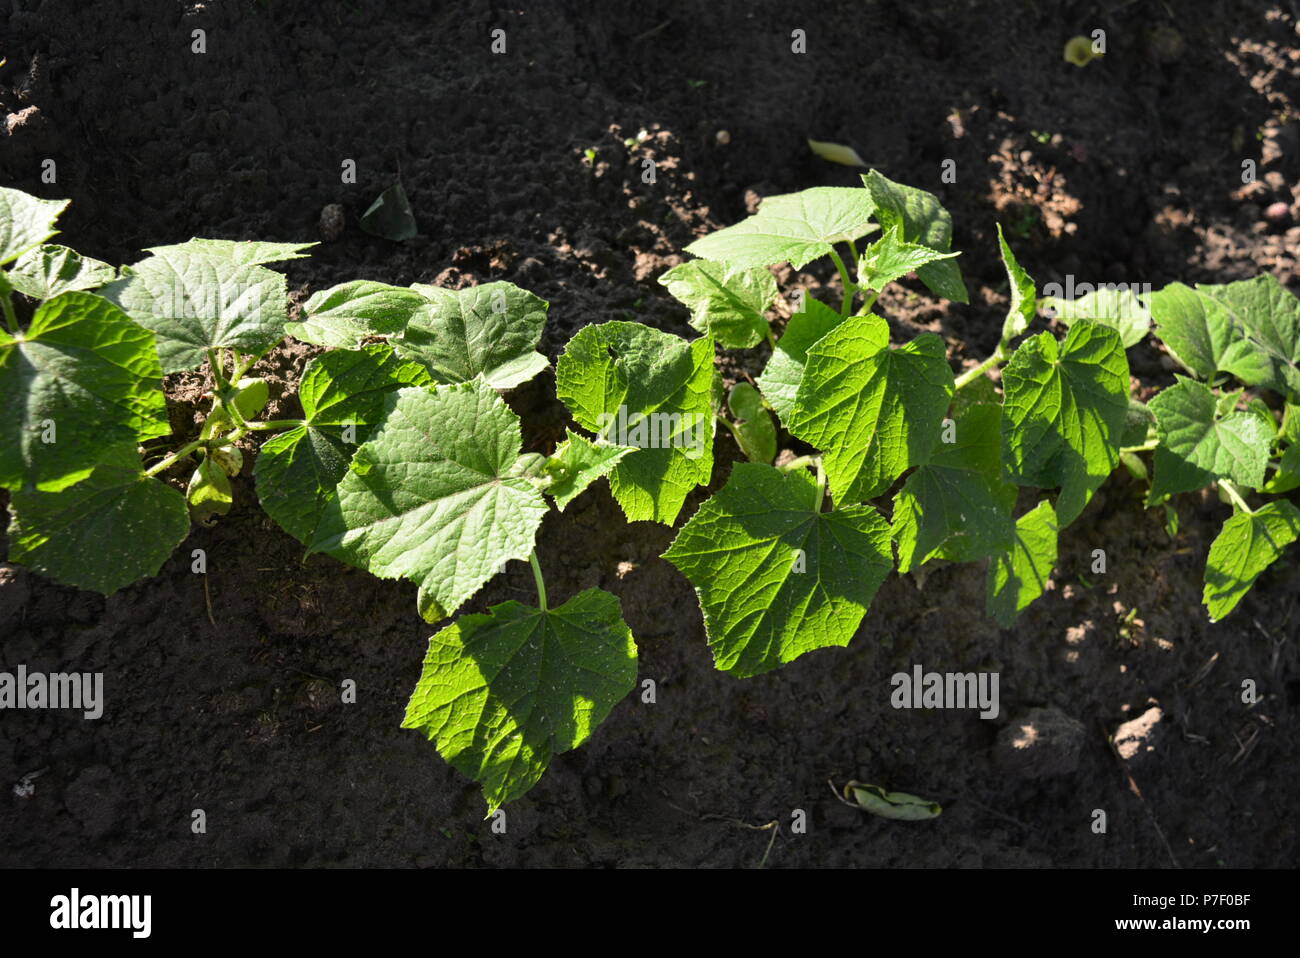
407 462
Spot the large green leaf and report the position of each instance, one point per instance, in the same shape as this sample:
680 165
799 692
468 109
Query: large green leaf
636 386
1271 318
433 496
957 500
298 471
873 411
235 252
45 271
793 227
112 528
784 371
346 314
1247 545
83 377
1200 443
193 301
25 221
923 220
1065 409
1018 576
777 577
1204 338
726 301
501 694
490 331
1118 308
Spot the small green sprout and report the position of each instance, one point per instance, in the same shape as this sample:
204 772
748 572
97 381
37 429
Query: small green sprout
1079 51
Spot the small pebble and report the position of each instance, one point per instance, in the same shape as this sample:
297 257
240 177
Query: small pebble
723 137
1136 738
1277 212
331 222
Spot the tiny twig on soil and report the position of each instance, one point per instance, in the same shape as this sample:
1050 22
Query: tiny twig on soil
207 598
773 825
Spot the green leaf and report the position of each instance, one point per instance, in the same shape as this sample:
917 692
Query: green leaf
836 153
891 257
1139 424
873 411
501 694
431 496
723 300
922 220
194 302
1024 294
1203 337
1018 577
1116 307
352 386
1270 316
346 314
490 331
25 221
780 379
899 806
793 227
1261 409
577 463
45 271
957 500
754 428
389 216
775 576
1200 443
1064 413
1287 475
298 471
208 493
1291 423
636 386
1247 545
82 377
112 528
234 252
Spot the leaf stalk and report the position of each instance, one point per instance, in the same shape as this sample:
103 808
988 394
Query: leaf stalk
537 578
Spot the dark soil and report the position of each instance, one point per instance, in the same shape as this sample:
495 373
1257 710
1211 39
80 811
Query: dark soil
1127 170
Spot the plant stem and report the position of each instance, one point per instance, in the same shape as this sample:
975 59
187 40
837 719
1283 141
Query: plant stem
217 359
970 375
218 365
241 367
1145 447
11 320
273 425
821 484
849 288
537 577
1234 494
175 457
868 301
735 430
801 462
771 339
